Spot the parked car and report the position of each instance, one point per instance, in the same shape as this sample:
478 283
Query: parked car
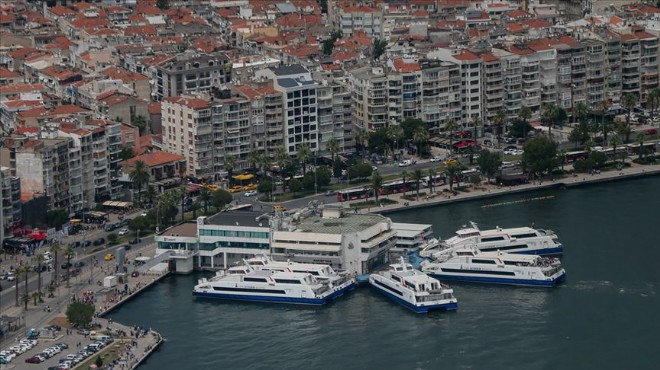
135 241
123 232
250 187
65 266
79 264
75 244
235 189
651 131
36 359
450 161
436 159
99 241
11 277
279 208
127 247
250 193
109 257
87 243
330 193
406 163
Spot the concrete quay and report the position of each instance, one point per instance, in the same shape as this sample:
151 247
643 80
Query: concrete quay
490 190
131 346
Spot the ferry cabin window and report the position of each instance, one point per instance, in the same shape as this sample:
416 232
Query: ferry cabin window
287 281
396 278
492 239
501 248
523 236
254 280
487 262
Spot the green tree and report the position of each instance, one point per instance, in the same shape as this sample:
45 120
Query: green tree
140 123
420 138
629 103
337 167
475 122
410 125
579 134
304 154
599 159
520 128
417 177
139 176
640 141
376 184
653 100
329 44
379 48
98 362
55 249
221 198
452 172
56 218
499 120
432 174
163 4
150 193
540 156
112 238
489 163
553 115
295 186
39 260
229 165
524 114
361 137
80 314
205 198
404 175
378 141
253 159
266 187
451 125
394 135
37 296
22 272
323 176
332 146
68 253
359 170
139 223
126 153
615 141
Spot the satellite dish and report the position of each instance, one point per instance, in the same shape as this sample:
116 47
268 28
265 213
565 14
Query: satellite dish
350 245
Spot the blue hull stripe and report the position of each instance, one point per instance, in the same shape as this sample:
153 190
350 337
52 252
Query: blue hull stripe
272 299
497 280
541 252
417 309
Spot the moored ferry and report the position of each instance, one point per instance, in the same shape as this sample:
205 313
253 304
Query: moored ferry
520 240
472 265
413 289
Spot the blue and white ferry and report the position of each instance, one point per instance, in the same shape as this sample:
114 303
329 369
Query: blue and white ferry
413 289
272 286
471 265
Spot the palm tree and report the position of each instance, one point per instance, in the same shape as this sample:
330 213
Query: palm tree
548 115
304 155
39 259
629 103
18 273
253 158
524 113
283 160
475 122
332 146
361 137
205 198
68 253
653 100
55 249
394 134
181 193
604 106
499 119
194 207
229 165
614 142
451 125
432 173
376 183
420 137
581 111
140 123
640 140
452 172
417 177
263 163
150 193
139 175
404 174
23 271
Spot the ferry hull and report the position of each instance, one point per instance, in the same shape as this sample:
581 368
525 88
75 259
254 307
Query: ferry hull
415 308
274 299
503 281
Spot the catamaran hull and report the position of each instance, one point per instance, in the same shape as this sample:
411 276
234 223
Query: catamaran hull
451 306
504 281
277 299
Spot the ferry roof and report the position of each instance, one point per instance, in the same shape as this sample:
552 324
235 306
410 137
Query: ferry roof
348 223
238 218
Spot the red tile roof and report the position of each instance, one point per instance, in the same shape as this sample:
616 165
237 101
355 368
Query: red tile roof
466 55
21 88
119 73
192 103
402 66
154 108
156 158
5 73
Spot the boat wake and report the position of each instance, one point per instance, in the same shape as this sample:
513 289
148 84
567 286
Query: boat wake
521 201
647 290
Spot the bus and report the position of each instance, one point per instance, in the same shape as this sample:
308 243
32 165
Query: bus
571 157
397 186
352 194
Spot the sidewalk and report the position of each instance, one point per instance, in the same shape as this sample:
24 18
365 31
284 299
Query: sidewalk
490 190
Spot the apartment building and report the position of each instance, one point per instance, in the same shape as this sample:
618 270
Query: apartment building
403 85
440 84
369 96
630 55
648 63
188 131
10 214
349 18
231 132
299 93
471 66
192 74
82 178
493 89
512 81
106 147
596 69
266 117
334 114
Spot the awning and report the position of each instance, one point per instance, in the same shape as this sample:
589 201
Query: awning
116 204
243 176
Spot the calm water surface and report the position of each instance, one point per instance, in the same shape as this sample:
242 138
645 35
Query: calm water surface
604 317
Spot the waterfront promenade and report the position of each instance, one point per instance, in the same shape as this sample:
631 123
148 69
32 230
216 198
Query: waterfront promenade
131 347
490 190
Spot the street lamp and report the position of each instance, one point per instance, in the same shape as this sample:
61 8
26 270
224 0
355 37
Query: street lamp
315 169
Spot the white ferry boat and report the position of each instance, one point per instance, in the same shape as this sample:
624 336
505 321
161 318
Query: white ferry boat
413 289
469 264
322 273
521 240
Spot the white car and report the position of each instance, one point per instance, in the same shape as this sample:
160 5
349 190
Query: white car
436 159
250 193
11 277
406 162
123 232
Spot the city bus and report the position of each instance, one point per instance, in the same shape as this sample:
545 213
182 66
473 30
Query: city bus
397 186
352 194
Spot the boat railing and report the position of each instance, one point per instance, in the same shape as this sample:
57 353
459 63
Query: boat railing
321 289
434 297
